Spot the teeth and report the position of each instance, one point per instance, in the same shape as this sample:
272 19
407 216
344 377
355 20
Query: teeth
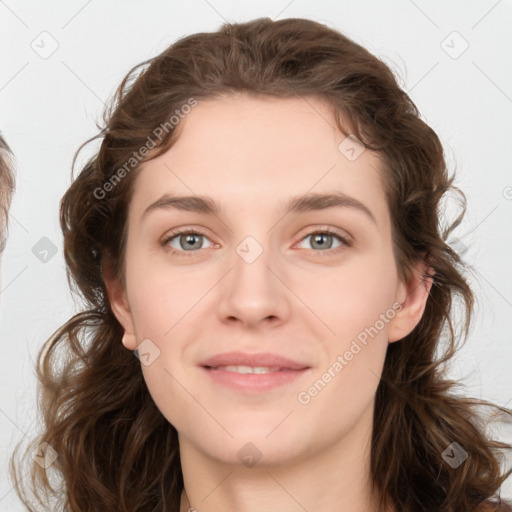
248 369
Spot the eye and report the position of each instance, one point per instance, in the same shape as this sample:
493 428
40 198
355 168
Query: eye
322 241
184 241
188 241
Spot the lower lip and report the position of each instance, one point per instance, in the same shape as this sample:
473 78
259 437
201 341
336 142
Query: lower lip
254 382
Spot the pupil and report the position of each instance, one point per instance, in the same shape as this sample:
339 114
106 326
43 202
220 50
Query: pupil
190 239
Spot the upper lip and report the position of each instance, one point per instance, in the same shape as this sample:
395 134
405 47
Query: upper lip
254 360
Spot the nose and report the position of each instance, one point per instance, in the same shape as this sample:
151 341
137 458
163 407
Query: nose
254 291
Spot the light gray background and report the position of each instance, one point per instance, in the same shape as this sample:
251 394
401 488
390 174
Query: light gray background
49 106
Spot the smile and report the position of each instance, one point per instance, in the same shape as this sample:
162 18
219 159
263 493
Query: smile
248 369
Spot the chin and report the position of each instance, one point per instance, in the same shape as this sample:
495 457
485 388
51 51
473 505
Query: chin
257 443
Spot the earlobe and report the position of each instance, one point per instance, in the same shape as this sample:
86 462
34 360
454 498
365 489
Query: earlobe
120 307
413 297
129 341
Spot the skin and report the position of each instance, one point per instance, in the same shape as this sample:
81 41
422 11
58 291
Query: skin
250 155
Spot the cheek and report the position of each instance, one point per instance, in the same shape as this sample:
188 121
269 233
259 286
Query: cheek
357 307
162 298
355 297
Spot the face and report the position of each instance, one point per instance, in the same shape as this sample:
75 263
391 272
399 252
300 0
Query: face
303 291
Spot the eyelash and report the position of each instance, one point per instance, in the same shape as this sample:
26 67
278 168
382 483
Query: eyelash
326 231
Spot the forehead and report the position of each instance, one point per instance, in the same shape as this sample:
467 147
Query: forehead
256 151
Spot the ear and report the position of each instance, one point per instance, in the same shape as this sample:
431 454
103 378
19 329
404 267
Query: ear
119 304
413 297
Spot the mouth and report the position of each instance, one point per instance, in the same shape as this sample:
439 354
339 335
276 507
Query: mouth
256 373
247 369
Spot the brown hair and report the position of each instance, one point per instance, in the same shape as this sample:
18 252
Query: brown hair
115 449
6 188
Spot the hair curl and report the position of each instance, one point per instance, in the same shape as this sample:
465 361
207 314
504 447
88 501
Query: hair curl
115 449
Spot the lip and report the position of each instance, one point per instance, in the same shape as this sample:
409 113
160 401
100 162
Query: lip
253 383
244 359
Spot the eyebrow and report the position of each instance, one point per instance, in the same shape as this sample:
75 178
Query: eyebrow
299 204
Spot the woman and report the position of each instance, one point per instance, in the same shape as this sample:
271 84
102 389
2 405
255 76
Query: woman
260 228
